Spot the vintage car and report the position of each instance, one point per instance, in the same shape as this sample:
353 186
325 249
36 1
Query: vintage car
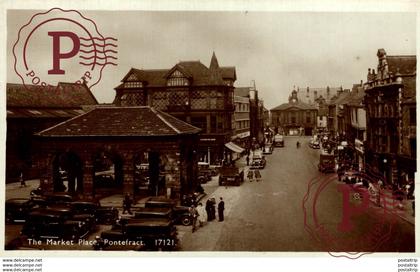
204 172
51 224
18 209
314 144
103 215
258 161
52 198
142 234
154 213
268 149
326 163
278 140
181 214
69 212
231 175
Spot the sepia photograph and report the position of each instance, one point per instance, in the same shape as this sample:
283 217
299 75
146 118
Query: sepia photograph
210 131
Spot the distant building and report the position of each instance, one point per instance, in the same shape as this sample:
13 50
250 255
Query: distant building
256 112
31 109
390 102
199 95
242 121
295 117
310 95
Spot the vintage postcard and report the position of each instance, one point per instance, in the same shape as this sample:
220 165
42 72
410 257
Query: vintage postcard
231 131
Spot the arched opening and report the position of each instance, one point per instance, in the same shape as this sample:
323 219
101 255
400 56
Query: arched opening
148 178
67 173
107 170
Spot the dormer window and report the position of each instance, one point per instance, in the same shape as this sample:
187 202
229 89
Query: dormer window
133 84
177 79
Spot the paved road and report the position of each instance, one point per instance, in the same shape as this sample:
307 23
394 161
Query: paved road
268 216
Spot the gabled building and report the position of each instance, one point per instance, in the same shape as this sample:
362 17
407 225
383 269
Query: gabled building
190 91
391 118
31 109
295 117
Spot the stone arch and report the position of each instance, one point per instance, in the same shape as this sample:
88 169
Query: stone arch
108 171
67 172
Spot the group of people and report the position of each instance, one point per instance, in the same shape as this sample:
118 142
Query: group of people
202 214
254 174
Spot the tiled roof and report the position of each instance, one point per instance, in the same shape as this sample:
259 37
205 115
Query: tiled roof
342 98
406 65
121 121
228 72
194 70
299 105
42 113
65 95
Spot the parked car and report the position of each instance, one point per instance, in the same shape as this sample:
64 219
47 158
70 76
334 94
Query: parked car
278 140
154 213
70 213
326 163
314 144
18 209
181 214
268 149
258 161
231 175
51 224
103 215
152 234
204 172
52 198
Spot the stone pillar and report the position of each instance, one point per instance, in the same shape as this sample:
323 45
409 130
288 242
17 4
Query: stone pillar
88 188
128 173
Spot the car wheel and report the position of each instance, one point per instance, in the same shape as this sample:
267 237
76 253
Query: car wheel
186 220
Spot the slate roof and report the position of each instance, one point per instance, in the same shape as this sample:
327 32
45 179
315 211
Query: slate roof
64 95
406 65
120 122
194 70
299 105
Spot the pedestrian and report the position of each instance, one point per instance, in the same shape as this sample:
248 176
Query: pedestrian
221 209
208 210
250 175
213 208
247 160
201 214
194 216
127 202
257 175
22 180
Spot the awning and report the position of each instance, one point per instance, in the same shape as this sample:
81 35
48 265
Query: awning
234 147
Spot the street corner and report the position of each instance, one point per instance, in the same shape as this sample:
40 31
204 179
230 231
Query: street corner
348 235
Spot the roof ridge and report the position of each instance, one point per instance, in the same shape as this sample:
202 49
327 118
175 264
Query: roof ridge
158 114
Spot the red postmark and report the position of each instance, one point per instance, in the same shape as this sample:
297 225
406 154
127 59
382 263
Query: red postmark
364 220
62 46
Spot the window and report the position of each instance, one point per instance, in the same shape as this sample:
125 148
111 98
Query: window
177 79
133 84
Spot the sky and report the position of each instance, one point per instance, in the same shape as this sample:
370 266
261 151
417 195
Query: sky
279 50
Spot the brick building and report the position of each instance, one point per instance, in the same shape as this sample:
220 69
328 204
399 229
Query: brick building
295 117
108 150
31 109
391 118
199 95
